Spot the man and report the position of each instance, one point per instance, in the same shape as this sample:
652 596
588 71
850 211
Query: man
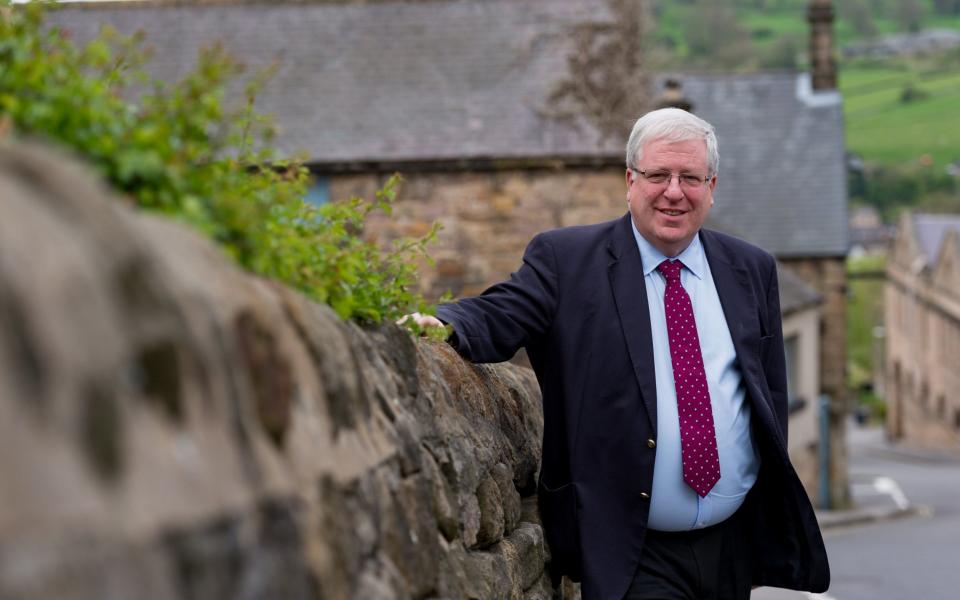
659 352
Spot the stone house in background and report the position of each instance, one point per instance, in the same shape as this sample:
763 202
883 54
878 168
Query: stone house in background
869 235
922 331
508 117
802 310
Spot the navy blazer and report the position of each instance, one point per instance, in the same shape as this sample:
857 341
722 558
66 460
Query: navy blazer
578 304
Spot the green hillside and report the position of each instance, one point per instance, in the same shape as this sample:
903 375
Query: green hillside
884 125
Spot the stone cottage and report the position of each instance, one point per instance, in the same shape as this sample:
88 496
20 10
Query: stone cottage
508 117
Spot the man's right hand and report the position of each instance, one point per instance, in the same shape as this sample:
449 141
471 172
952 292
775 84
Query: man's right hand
423 321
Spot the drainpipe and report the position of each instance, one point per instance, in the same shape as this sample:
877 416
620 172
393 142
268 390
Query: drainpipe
824 451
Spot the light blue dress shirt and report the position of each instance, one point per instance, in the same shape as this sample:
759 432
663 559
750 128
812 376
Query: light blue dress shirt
674 506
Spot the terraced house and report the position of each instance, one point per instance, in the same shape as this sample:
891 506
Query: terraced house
922 331
508 117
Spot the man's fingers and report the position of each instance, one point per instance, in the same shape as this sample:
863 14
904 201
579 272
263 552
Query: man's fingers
424 321
428 321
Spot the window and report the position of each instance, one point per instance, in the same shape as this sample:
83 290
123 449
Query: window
318 193
791 348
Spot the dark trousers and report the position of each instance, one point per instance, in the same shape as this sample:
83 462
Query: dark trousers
705 564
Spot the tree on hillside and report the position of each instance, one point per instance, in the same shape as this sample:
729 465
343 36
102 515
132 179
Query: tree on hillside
860 16
909 15
783 53
714 36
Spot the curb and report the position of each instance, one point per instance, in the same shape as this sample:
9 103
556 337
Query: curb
848 518
913 454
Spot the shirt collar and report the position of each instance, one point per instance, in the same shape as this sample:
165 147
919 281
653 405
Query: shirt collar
692 257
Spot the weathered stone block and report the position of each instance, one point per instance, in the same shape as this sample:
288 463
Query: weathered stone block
509 496
487 576
491 512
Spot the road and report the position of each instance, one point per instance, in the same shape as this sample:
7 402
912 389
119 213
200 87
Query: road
914 557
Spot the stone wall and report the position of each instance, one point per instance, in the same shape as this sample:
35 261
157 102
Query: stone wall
172 427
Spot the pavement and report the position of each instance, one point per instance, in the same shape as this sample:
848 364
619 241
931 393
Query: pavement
878 498
875 498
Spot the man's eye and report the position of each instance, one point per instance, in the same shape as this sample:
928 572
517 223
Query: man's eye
691 179
657 177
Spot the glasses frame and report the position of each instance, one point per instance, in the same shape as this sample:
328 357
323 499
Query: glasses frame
680 181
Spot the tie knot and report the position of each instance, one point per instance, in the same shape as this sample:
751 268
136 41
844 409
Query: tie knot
671 269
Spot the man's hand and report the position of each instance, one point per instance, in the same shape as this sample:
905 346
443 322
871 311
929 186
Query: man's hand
426 326
422 321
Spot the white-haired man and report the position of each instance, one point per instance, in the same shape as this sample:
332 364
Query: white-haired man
659 351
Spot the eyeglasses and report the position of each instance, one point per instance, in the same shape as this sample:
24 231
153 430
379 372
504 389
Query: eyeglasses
686 180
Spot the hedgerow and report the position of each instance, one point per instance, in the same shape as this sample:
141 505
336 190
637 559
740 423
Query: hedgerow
184 150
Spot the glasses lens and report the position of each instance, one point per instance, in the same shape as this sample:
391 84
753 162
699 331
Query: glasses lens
693 181
658 177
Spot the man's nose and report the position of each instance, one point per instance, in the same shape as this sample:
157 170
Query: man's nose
673 188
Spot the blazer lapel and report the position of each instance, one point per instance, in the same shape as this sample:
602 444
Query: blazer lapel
742 315
630 295
733 287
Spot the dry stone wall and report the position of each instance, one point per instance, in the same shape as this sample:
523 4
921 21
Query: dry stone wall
172 427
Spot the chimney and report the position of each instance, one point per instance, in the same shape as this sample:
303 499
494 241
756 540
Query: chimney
672 96
823 67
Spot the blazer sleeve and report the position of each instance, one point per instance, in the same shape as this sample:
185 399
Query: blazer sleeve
491 327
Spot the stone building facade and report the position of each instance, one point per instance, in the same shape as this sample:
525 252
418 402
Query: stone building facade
922 332
802 310
828 276
488 217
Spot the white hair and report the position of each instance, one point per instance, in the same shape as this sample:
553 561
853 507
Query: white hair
673 125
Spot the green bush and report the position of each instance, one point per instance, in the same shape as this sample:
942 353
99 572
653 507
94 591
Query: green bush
180 149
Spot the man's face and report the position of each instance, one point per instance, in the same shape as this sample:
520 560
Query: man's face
668 214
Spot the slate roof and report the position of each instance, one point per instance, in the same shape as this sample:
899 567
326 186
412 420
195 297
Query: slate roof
467 80
930 230
782 179
795 294
394 81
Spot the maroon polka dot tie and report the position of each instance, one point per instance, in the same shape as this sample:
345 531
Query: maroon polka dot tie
698 440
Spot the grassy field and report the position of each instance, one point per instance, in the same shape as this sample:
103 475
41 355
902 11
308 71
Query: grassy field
882 128
794 22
